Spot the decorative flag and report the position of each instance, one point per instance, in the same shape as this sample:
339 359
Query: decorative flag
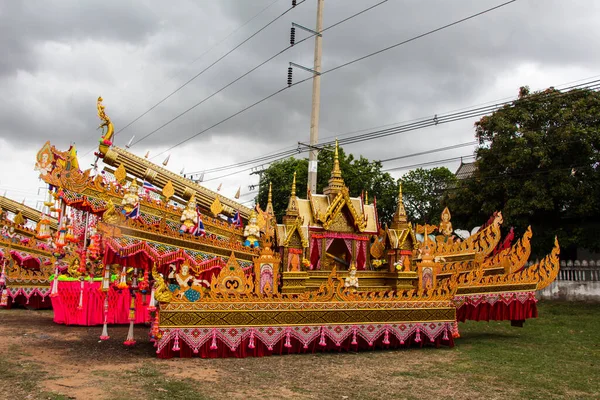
148 187
237 219
135 213
237 195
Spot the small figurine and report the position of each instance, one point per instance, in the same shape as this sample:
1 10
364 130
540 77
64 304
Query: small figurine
252 231
352 280
131 200
189 217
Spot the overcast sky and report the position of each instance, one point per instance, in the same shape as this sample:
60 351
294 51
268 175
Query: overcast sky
58 56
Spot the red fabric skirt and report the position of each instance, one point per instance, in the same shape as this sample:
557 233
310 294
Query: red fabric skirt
499 311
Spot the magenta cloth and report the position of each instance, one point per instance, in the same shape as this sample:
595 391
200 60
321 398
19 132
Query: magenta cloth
66 302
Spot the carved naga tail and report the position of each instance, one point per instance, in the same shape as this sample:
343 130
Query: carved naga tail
106 139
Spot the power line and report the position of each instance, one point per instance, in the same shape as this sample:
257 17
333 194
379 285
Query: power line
420 124
248 73
288 151
331 70
207 68
200 57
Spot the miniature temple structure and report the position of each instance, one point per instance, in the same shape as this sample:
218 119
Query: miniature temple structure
328 276
333 230
25 254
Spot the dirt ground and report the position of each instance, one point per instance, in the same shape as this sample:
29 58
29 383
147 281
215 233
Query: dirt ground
43 360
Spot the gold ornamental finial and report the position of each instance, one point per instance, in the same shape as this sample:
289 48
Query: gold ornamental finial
292 208
336 182
270 198
269 208
367 197
400 219
336 162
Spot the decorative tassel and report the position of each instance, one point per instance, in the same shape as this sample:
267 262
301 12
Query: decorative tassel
251 341
3 275
322 342
154 333
54 291
287 343
401 341
152 304
354 342
130 341
134 279
418 337
80 305
104 335
213 345
455 333
123 281
445 333
195 350
4 297
386 337
176 344
132 307
105 286
305 345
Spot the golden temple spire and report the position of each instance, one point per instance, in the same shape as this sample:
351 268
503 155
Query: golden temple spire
294 186
367 197
269 208
336 182
400 220
292 209
336 172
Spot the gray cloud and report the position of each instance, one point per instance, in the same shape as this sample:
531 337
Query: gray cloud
59 55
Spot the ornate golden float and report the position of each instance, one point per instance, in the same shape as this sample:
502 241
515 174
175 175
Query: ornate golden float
329 276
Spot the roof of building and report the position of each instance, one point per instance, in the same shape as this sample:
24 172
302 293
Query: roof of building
466 170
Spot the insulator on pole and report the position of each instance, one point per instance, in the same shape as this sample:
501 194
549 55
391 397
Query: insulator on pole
289 76
293 3
292 36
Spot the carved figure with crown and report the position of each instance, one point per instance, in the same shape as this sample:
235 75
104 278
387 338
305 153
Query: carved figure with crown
189 217
131 199
252 231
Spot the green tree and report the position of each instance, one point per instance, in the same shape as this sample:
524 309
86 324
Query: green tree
359 175
423 192
537 163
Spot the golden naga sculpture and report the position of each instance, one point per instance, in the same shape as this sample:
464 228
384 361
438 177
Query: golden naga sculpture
162 294
110 216
106 139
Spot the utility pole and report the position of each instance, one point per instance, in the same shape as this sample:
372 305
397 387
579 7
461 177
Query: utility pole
316 102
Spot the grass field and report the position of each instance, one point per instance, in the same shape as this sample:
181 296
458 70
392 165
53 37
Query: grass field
554 356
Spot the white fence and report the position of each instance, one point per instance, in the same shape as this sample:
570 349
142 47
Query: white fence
576 280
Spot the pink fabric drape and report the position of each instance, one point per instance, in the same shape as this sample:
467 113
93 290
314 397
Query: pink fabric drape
92 313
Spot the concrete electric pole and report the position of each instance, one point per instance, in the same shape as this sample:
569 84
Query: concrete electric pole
316 102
